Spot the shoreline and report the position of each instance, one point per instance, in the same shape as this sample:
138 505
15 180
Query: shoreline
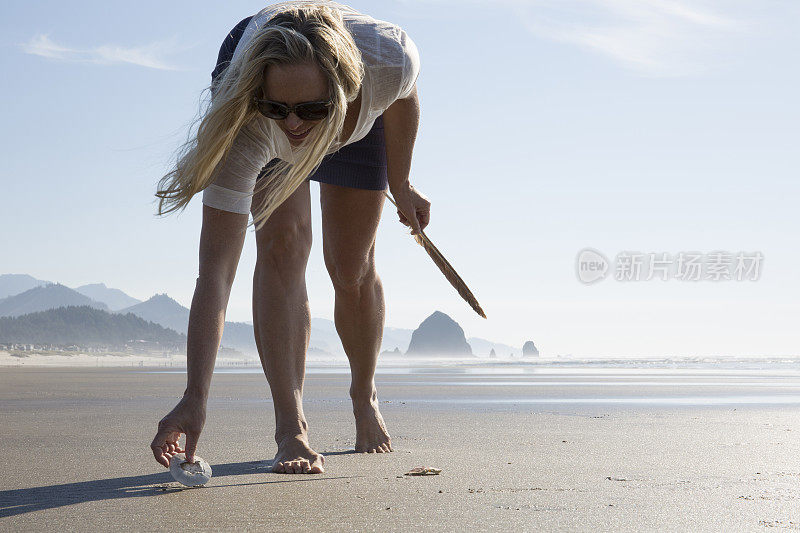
505 466
784 365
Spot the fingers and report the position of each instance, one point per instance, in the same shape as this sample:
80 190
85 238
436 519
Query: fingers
424 219
160 447
403 219
191 445
160 457
420 221
413 224
165 445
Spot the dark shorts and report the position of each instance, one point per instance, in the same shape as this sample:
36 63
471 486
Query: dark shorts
361 165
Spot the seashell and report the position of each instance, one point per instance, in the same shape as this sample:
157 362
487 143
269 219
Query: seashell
424 471
189 474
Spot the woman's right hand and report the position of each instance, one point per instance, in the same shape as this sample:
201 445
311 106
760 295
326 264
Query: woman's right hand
187 418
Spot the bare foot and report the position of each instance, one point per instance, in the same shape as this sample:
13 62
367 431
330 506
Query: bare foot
371 434
296 457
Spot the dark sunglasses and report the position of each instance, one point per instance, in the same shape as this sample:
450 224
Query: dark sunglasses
303 110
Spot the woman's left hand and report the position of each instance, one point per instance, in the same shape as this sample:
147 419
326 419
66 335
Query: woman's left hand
412 202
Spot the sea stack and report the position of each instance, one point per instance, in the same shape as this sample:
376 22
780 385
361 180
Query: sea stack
530 350
439 335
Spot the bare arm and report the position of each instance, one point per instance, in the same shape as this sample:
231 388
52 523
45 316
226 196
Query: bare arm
400 125
221 241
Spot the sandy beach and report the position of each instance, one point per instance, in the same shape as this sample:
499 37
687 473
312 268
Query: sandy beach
548 450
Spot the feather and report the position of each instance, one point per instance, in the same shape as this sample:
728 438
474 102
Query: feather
446 268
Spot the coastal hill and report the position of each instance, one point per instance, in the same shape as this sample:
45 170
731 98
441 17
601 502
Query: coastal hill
11 284
324 336
85 325
43 298
162 310
115 299
165 311
16 284
439 335
483 348
25 294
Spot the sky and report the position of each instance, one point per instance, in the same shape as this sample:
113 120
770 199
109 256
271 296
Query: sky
548 127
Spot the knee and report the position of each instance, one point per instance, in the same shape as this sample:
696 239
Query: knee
351 275
284 248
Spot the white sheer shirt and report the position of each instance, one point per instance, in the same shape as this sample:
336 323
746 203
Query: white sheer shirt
391 67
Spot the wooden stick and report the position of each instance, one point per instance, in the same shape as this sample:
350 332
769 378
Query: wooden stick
444 265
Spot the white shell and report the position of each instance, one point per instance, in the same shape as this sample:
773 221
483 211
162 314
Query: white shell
189 474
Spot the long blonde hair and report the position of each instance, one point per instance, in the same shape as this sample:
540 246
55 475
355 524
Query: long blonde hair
298 34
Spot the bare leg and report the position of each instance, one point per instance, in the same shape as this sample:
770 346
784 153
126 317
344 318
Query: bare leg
282 323
350 220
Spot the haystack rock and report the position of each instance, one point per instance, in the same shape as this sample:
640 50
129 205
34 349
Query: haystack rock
492 354
530 350
439 335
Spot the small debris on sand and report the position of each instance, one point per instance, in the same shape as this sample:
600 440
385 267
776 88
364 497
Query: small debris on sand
424 471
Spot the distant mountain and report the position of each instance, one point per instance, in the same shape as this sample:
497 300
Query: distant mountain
84 325
13 284
21 294
165 311
482 347
396 338
439 335
115 299
324 336
324 339
162 310
44 298
239 336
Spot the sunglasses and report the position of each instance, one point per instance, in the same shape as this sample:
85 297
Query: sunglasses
303 110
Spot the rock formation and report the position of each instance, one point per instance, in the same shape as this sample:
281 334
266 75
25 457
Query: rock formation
439 335
530 350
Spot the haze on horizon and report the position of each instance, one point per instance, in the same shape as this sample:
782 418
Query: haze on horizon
661 127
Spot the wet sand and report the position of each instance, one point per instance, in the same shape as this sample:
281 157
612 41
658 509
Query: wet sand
542 452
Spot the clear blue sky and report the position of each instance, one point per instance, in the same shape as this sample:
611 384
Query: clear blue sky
548 126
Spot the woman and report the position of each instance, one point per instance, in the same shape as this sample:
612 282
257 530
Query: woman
302 91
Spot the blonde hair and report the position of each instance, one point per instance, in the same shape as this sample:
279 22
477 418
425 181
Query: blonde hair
298 34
